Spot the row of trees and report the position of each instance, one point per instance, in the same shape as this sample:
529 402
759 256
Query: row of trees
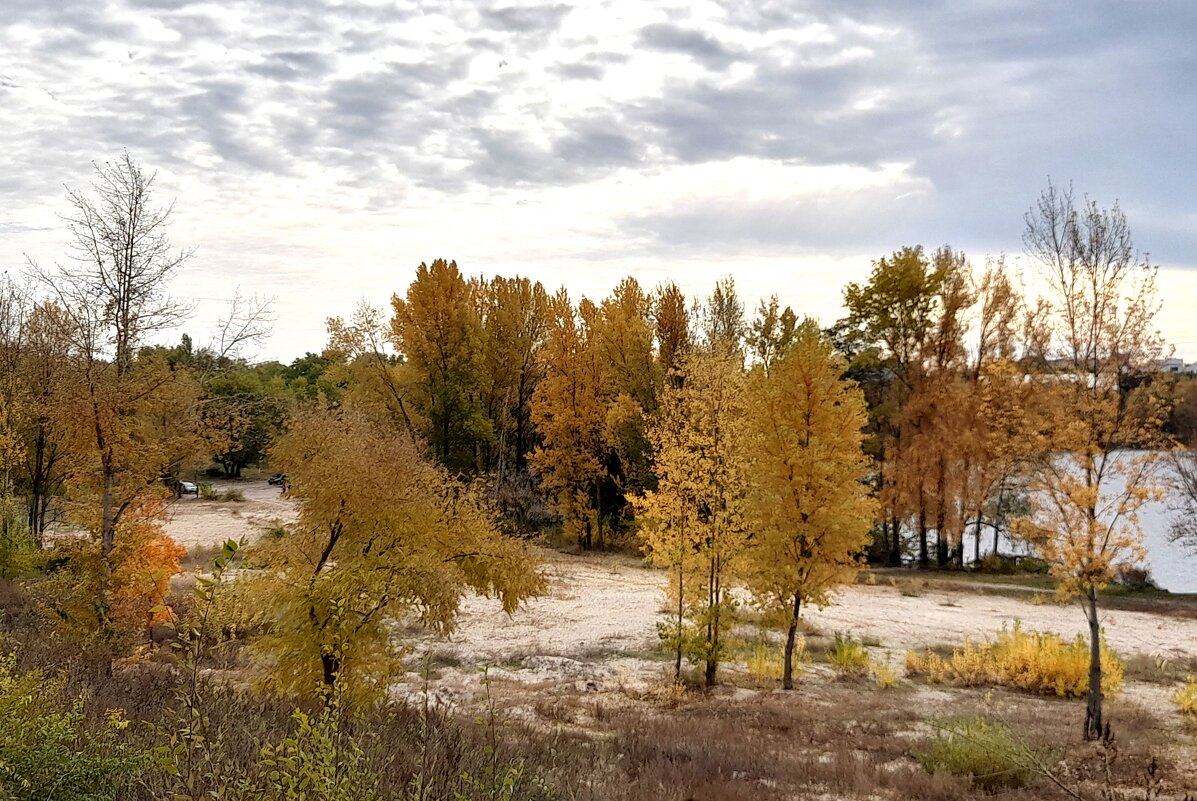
754 453
988 408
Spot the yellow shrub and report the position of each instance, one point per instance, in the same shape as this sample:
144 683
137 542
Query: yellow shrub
883 673
765 662
1186 699
1033 661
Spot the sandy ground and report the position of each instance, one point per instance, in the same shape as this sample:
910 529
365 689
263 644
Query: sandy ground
596 625
194 522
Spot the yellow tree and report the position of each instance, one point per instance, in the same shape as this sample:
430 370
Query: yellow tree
382 534
670 530
671 323
570 416
1088 488
699 503
514 315
437 329
125 419
809 507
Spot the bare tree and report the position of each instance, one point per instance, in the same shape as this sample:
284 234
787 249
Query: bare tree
122 262
1098 331
113 295
248 321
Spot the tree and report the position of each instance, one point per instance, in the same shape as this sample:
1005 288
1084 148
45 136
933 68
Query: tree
771 332
438 331
127 420
808 506
569 414
514 315
672 329
15 409
721 317
890 320
382 534
1088 490
698 508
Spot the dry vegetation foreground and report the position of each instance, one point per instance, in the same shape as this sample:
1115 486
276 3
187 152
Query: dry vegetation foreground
583 661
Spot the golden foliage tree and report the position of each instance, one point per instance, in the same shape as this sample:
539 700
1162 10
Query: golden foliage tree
694 521
808 506
570 416
1088 488
437 328
382 534
125 419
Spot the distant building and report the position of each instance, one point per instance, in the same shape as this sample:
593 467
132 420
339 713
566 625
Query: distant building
1178 366
1172 365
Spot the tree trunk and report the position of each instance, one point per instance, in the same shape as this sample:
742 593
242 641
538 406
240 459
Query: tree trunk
941 536
924 556
1093 721
787 678
895 551
681 612
712 626
331 668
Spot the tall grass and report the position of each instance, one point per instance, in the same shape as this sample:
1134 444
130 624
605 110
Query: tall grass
1033 661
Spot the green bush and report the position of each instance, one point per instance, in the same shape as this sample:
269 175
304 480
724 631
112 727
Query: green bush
986 753
19 553
207 492
234 495
46 753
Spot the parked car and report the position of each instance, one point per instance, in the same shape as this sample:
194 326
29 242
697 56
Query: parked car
277 480
180 487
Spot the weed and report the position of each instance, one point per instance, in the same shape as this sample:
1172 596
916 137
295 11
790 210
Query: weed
986 753
1186 699
848 656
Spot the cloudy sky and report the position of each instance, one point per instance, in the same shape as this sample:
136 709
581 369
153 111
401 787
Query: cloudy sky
318 151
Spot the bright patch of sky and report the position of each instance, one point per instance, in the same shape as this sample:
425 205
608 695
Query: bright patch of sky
318 151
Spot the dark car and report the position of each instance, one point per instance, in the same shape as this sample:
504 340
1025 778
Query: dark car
278 480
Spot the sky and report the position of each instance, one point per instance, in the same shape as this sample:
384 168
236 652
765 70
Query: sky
317 152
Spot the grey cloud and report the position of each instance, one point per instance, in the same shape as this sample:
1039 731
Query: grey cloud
579 71
597 142
285 66
702 47
525 19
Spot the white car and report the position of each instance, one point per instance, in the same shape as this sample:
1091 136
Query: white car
188 488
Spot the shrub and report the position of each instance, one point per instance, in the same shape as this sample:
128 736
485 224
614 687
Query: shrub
767 663
207 492
1134 577
999 565
45 751
883 673
1032 661
986 753
234 495
848 656
1186 699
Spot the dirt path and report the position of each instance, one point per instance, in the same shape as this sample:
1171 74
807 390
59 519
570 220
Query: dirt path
194 522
